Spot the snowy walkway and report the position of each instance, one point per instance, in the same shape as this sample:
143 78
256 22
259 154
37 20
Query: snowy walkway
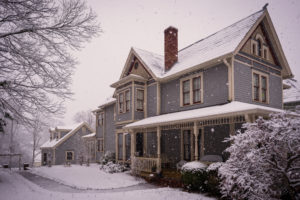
14 186
52 185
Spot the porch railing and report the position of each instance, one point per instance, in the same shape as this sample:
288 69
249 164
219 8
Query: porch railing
141 164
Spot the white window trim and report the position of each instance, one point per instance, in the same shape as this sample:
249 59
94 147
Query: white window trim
191 89
260 85
267 50
67 154
264 47
253 42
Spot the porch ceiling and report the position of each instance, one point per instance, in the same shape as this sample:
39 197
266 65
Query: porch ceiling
226 110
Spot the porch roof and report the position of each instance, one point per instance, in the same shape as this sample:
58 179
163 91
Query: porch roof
229 109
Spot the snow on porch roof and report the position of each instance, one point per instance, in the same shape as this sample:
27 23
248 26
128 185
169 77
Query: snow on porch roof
233 108
214 46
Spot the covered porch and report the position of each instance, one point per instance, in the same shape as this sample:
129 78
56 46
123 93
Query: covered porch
162 141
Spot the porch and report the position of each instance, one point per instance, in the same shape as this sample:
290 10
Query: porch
163 147
160 142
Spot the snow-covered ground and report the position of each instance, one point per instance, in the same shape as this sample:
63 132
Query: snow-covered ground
14 187
84 177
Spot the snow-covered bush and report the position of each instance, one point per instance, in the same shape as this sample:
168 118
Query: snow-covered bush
213 180
108 157
194 175
111 167
264 161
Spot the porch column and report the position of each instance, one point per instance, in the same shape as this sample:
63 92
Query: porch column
158 169
196 133
133 146
124 147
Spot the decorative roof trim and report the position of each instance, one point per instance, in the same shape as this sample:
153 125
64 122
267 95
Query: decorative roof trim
276 39
130 77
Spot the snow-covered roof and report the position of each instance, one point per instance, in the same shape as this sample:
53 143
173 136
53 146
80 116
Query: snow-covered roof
214 46
232 108
54 142
68 127
107 101
292 94
89 135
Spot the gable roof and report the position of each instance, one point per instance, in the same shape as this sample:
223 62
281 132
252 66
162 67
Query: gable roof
54 142
213 48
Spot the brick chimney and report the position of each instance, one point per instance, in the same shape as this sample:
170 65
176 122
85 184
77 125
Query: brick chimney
171 47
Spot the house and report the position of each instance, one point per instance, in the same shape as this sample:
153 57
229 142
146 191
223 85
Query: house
68 144
181 106
291 95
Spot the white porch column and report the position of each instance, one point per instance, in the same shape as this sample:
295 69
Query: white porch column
196 133
133 144
158 169
124 147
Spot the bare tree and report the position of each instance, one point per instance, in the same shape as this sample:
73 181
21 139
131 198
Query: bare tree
35 64
85 116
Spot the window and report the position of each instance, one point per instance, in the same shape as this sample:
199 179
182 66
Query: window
259 48
191 90
101 119
100 146
263 89
127 100
196 90
140 100
121 103
256 86
124 101
69 155
260 87
186 92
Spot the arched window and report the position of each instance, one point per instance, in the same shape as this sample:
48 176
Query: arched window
259 47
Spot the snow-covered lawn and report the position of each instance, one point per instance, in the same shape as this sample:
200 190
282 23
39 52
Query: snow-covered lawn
14 187
84 177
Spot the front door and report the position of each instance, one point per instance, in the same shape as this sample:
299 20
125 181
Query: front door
140 144
44 159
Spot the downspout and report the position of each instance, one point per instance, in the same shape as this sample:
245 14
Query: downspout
230 68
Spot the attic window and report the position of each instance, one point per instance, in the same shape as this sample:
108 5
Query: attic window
259 47
136 65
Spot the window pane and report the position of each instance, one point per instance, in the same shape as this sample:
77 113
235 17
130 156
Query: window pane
127 95
197 96
264 95
263 82
196 83
256 94
186 98
140 94
186 86
259 46
121 97
256 79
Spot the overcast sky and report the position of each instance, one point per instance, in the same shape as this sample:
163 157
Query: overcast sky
140 23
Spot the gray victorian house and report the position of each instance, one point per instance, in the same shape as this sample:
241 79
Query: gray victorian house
181 105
